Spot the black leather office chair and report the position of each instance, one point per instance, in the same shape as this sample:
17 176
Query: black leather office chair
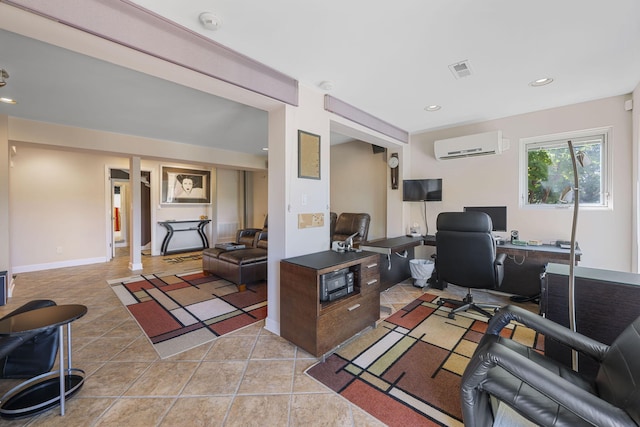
466 256
545 391
29 354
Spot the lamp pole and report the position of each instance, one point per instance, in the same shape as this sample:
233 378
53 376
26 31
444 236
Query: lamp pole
572 257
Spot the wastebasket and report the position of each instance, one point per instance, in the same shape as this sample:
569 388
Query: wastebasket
421 270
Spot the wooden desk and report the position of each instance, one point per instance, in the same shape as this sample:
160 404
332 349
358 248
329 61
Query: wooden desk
524 266
395 254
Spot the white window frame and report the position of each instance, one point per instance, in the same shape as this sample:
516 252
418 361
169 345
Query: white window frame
525 143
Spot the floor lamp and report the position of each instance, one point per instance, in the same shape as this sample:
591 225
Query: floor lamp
581 158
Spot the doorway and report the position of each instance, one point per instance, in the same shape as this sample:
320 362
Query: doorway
120 205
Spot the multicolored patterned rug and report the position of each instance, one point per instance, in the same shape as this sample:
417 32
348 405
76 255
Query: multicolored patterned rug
179 312
407 371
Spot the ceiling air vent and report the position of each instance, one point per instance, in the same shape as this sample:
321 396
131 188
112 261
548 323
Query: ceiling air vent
460 69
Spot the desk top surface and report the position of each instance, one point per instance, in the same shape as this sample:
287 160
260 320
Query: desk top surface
326 259
41 319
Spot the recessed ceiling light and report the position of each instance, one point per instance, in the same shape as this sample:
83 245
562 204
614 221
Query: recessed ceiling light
8 101
541 82
433 107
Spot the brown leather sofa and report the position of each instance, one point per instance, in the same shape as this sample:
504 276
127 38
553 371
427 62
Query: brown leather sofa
350 223
240 266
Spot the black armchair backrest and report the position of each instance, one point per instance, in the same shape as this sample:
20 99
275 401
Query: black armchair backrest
618 378
466 250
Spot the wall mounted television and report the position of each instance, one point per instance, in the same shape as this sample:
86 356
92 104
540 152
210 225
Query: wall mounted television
498 215
419 190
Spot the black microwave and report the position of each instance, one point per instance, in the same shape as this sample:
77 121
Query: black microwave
336 284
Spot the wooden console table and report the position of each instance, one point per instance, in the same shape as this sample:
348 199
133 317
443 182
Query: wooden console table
175 226
319 327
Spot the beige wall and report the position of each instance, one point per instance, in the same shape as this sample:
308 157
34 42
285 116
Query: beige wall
60 205
359 183
605 235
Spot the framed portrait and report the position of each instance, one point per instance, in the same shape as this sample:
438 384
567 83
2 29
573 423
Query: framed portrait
182 185
308 155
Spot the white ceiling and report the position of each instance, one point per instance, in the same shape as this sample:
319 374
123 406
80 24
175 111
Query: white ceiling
390 59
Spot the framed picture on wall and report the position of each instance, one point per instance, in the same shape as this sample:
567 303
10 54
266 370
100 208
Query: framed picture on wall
308 155
182 185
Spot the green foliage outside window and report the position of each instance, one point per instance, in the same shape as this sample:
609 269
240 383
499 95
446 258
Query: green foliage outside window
550 173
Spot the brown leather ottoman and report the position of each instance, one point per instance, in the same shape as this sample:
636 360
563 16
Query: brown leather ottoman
240 266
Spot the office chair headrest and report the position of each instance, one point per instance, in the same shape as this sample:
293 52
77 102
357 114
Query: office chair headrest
464 221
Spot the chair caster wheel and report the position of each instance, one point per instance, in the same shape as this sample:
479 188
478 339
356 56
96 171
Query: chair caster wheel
440 302
451 316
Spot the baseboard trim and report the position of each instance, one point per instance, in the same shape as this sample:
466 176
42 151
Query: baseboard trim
60 264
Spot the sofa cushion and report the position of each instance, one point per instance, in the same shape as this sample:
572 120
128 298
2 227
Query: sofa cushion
244 256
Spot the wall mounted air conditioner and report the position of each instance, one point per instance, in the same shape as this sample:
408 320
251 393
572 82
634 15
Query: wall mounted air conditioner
480 144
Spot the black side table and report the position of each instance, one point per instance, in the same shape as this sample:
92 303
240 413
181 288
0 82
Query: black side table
45 391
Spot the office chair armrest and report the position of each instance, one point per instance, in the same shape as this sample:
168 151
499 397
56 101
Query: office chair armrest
548 328
577 400
500 259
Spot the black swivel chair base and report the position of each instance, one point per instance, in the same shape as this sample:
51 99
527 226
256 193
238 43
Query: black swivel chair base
468 304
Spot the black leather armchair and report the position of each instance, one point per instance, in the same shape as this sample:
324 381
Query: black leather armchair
545 391
466 256
250 236
29 354
349 223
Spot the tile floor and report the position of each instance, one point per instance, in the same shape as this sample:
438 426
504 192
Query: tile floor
248 378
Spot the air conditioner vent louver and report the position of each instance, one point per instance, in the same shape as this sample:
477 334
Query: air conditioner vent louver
468 146
460 69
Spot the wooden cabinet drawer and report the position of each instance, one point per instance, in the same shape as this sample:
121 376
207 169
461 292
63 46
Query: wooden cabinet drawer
343 322
370 276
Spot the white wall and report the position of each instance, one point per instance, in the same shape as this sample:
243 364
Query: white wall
359 183
604 235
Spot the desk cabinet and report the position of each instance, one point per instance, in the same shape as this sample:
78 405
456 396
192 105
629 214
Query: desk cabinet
319 327
606 302
525 265
395 254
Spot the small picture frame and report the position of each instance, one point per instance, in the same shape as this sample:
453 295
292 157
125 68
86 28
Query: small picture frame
185 186
308 155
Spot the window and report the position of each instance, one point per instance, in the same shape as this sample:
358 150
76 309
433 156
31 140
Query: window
547 172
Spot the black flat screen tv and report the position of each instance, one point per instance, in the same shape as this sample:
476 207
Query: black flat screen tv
419 190
498 215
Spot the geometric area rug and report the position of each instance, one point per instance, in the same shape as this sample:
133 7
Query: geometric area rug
407 370
183 311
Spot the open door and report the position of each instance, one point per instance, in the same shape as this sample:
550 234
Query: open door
120 203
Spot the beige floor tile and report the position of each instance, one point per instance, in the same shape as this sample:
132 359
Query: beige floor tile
236 347
112 379
215 378
138 350
327 409
258 411
136 412
163 379
267 376
303 383
202 412
270 346
79 412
